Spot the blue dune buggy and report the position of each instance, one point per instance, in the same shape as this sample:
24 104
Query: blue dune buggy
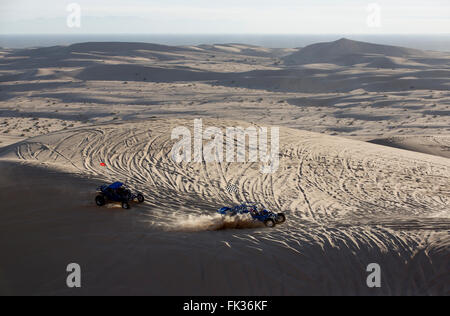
117 192
257 211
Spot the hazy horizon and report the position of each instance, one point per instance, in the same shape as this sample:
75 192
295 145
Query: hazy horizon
284 24
418 41
232 17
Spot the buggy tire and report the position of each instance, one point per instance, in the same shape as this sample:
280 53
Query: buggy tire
125 205
100 200
281 218
269 223
140 198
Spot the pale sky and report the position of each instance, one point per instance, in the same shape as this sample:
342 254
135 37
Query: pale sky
226 17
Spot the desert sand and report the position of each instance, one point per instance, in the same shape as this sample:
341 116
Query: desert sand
363 176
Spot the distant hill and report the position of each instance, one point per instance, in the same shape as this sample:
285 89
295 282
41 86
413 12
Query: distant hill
122 46
106 48
337 52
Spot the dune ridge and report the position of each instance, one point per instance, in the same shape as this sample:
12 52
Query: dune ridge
339 195
349 201
331 51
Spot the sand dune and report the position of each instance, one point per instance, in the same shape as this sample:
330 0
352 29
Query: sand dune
140 73
349 202
248 50
329 52
333 171
338 194
99 47
433 145
140 152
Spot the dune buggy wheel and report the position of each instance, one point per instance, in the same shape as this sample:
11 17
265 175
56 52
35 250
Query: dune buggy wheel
269 222
100 200
140 198
281 218
125 205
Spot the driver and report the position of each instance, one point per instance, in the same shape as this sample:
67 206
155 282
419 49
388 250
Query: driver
121 192
260 209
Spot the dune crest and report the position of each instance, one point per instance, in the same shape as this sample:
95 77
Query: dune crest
320 178
331 51
75 117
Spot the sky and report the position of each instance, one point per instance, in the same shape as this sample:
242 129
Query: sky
226 17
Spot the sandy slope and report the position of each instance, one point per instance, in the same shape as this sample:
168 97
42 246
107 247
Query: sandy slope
334 169
370 96
433 145
347 52
349 203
